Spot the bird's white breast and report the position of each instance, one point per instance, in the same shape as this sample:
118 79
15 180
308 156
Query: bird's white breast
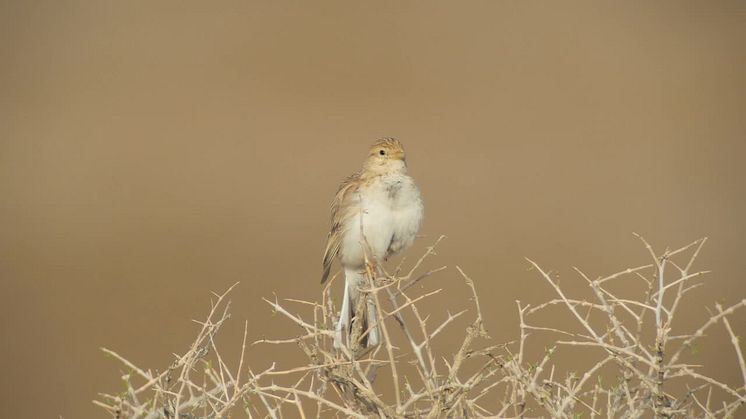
390 211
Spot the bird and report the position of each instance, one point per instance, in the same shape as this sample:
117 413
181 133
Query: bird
376 213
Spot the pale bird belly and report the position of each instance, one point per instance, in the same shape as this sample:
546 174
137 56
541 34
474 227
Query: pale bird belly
389 223
378 228
406 223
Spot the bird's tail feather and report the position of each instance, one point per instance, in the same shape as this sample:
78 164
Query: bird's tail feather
368 316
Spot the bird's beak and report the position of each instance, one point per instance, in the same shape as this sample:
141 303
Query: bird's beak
399 156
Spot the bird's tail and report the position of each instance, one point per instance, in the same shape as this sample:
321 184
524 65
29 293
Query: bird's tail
367 316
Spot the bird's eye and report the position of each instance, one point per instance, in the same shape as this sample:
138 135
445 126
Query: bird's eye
382 152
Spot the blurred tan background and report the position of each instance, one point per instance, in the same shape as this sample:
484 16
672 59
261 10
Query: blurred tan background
153 152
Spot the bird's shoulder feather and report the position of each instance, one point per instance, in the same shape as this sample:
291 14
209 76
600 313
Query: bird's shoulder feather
343 197
340 212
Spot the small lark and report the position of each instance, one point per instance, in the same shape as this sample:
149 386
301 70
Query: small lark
382 203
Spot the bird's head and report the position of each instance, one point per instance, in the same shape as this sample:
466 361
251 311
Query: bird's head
386 155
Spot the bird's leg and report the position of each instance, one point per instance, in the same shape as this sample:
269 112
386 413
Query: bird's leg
370 268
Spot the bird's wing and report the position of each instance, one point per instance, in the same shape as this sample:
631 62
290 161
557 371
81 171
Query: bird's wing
341 211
